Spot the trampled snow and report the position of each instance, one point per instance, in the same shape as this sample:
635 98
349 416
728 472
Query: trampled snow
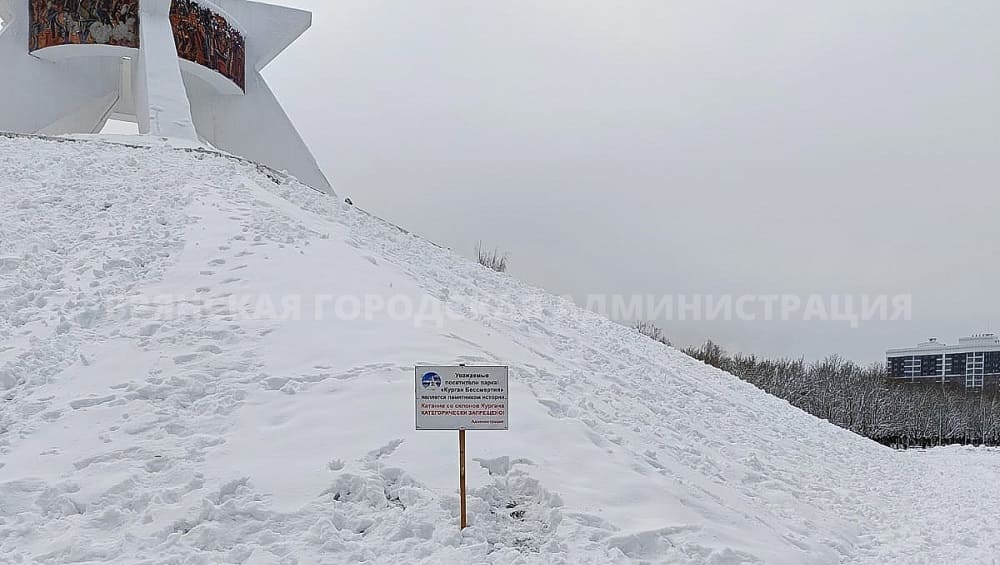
202 361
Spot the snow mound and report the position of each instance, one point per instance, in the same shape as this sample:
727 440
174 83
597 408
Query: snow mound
202 361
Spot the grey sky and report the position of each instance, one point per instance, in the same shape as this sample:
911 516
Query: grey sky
678 147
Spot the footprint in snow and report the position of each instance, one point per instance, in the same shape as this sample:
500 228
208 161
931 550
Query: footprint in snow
386 450
89 402
501 466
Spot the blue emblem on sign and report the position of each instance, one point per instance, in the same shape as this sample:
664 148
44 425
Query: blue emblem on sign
431 380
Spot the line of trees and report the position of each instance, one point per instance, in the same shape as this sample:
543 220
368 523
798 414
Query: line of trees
863 399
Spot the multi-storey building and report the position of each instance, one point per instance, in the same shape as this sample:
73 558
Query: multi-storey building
974 361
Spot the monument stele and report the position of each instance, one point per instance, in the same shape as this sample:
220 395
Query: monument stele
181 69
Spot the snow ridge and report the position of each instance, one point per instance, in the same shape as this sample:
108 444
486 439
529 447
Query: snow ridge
151 414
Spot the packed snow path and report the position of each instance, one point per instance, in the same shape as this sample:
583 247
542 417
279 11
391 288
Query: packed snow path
204 362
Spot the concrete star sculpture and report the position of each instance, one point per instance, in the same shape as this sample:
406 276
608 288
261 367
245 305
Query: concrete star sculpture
181 69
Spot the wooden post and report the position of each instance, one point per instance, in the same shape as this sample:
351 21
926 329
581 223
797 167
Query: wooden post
461 475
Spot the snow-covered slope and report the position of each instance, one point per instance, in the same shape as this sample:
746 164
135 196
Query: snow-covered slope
204 362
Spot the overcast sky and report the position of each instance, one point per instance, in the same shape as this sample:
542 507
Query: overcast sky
675 148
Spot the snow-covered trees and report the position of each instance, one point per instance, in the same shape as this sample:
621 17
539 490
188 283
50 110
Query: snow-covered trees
865 401
862 399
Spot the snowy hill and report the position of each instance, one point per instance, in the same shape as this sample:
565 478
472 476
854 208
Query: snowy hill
204 362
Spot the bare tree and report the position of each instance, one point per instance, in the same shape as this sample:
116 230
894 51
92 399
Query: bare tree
652 331
491 259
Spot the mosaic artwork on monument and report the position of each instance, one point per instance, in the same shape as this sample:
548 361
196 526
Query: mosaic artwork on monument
83 22
206 38
201 35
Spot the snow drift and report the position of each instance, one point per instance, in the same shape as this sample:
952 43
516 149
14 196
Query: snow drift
202 361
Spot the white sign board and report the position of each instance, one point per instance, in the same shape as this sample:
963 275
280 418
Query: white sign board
461 398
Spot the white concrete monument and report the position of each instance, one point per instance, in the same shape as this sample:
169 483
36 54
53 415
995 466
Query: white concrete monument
182 69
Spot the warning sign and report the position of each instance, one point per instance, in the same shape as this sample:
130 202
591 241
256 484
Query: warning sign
461 398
